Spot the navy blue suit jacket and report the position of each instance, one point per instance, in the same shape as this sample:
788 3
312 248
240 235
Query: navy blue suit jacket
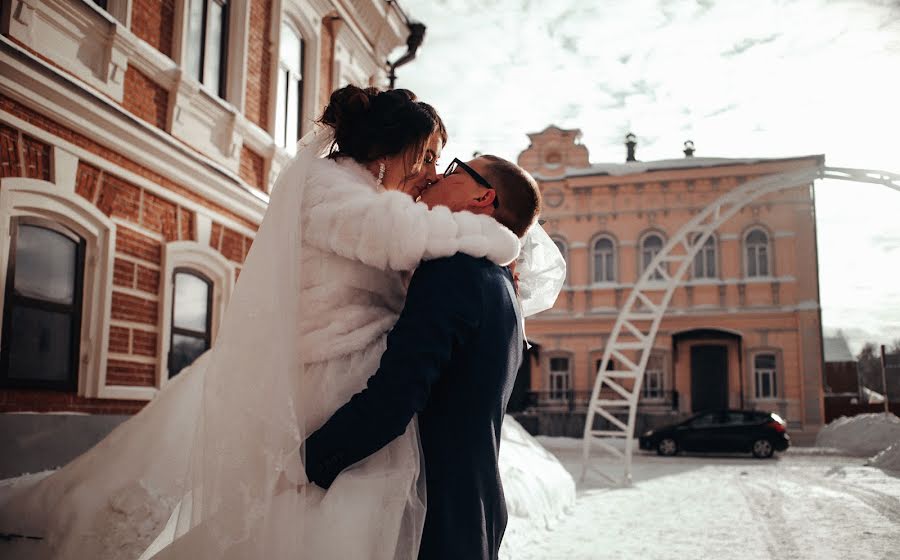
452 358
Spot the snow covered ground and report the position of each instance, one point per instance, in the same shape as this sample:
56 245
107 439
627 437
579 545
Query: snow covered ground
808 503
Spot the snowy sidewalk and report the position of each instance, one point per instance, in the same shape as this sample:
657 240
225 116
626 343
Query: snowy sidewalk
802 505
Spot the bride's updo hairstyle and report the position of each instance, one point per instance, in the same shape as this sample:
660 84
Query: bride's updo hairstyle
370 124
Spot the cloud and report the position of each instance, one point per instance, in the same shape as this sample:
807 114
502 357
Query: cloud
741 79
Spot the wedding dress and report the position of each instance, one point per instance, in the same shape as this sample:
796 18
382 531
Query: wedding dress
306 326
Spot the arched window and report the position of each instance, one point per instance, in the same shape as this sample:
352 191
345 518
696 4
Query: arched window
705 260
651 245
207 43
765 375
564 251
757 251
42 306
560 377
604 255
191 318
289 102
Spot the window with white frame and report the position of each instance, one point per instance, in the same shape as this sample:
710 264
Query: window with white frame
705 260
651 245
191 329
207 40
604 254
564 251
559 378
652 387
764 372
757 253
42 306
289 101
199 281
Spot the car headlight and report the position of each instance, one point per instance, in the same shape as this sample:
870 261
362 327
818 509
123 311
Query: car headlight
648 433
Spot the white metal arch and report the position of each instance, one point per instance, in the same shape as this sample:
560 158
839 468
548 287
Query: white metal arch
617 391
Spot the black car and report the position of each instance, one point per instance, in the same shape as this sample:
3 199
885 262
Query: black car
761 433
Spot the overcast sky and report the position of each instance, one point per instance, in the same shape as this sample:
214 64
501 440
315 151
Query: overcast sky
740 79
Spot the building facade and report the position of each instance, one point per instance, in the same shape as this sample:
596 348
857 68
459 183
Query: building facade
743 329
139 140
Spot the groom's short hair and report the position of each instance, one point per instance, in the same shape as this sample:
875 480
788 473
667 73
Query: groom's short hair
518 192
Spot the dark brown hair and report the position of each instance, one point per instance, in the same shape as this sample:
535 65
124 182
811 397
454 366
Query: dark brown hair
370 124
519 194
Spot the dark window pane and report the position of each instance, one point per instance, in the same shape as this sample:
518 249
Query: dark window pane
45 264
766 387
40 345
559 364
185 349
764 361
191 302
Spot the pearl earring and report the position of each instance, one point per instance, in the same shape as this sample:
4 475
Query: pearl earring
380 173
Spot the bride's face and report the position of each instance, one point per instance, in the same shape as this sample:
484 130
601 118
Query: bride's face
397 177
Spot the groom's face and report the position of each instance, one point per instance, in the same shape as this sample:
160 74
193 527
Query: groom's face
459 190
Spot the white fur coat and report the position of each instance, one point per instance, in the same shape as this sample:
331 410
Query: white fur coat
358 239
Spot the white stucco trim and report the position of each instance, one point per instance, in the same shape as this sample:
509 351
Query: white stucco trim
40 199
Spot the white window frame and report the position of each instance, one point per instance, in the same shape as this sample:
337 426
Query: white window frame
659 374
760 373
613 253
214 266
709 252
552 392
642 266
290 76
302 18
58 203
747 257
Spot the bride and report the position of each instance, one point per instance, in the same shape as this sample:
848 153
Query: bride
307 323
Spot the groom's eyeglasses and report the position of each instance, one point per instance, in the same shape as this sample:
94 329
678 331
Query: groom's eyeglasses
456 163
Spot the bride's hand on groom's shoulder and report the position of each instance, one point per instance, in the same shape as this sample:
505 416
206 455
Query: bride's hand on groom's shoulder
282 484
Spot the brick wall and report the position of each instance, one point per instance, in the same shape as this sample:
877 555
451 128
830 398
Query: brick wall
253 168
145 222
259 63
145 98
153 21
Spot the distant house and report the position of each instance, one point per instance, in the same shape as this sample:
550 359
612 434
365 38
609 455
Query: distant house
841 371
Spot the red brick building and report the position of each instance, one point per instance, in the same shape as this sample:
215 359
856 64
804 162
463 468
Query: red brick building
138 142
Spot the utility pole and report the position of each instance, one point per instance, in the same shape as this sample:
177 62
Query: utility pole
887 399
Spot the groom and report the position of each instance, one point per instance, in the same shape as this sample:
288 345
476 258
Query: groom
452 358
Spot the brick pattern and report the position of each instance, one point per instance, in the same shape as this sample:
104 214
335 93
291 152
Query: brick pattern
38 120
119 340
161 216
132 308
230 243
145 98
119 198
253 168
147 280
123 273
186 229
144 343
28 400
87 181
37 158
153 21
134 244
259 63
9 152
121 372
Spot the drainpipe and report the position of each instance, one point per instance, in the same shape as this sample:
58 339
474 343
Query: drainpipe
413 42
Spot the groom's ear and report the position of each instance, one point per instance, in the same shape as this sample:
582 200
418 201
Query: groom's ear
485 200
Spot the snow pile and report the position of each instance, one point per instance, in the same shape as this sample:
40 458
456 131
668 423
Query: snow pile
863 435
536 485
889 459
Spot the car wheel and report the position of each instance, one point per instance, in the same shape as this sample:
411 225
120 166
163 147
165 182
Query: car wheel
667 447
763 449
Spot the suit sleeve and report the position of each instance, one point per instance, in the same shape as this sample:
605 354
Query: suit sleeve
442 312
